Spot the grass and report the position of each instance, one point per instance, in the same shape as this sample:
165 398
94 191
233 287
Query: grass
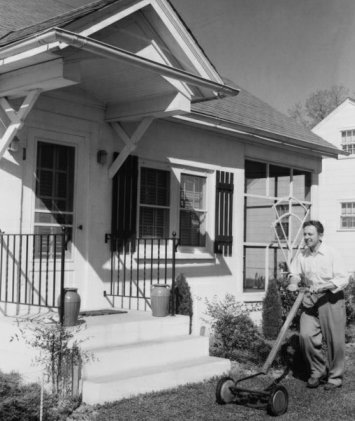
196 402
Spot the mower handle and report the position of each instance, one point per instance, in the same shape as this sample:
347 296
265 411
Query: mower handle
283 330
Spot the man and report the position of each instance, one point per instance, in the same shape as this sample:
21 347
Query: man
323 313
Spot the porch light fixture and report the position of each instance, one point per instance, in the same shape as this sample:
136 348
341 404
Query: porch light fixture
101 157
14 145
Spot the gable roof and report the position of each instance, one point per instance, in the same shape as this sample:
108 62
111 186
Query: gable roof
244 110
336 110
256 116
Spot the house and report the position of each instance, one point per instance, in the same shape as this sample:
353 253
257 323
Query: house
336 186
125 159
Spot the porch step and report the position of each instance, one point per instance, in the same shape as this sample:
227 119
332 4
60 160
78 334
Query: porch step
146 354
128 383
130 327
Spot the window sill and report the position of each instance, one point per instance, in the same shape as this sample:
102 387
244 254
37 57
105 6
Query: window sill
253 296
180 255
346 230
194 255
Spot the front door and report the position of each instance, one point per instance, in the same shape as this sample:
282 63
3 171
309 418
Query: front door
58 195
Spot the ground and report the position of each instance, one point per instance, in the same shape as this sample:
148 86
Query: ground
197 402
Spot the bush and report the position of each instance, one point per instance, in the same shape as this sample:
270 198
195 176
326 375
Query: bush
22 402
350 301
287 300
234 334
272 311
59 351
237 338
184 304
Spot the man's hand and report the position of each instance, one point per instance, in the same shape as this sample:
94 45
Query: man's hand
293 287
294 281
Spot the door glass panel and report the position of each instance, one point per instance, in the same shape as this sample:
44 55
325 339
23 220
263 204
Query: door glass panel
54 190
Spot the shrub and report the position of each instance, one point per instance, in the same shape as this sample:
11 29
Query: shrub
350 301
23 401
287 300
234 334
184 304
237 338
272 311
216 309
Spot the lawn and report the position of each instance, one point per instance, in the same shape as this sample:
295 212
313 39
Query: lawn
197 402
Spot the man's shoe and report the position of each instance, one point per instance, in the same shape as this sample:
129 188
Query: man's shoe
314 382
331 386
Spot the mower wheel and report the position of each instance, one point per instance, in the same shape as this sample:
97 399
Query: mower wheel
223 390
278 401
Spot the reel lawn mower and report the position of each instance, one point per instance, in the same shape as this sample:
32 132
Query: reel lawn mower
273 398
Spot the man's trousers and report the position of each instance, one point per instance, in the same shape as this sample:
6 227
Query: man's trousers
326 319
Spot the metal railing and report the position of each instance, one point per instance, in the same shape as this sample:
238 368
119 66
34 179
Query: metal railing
32 269
139 263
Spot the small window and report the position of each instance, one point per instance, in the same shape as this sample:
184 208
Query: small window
348 141
193 210
347 218
154 203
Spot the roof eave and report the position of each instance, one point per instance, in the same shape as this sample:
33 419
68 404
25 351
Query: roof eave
255 133
57 37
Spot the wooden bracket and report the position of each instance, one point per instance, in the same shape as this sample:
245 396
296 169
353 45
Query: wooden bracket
130 143
16 118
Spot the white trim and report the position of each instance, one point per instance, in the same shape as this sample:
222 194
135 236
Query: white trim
115 17
186 41
194 164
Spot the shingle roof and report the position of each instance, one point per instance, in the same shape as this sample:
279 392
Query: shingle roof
251 112
245 109
39 15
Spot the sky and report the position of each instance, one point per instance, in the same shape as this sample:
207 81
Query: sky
279 50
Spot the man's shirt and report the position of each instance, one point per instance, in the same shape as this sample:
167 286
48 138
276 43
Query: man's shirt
320 267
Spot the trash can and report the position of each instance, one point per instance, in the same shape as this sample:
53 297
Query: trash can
160 298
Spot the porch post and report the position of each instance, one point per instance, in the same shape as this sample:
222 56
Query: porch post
62 267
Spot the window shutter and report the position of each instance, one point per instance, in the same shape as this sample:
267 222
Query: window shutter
224 213
124 203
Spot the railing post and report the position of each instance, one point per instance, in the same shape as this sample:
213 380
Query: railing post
62 267
173 292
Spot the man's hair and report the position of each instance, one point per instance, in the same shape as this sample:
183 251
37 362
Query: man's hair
318 225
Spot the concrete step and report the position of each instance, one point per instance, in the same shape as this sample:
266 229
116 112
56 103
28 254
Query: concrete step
115 359
100 389
131 327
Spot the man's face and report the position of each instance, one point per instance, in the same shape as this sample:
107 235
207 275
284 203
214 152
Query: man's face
311 237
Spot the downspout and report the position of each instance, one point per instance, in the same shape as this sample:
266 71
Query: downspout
115 53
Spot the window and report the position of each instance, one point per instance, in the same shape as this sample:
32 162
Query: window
173 201
347 217
271 192
192 210
154 203
348 141
54 192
